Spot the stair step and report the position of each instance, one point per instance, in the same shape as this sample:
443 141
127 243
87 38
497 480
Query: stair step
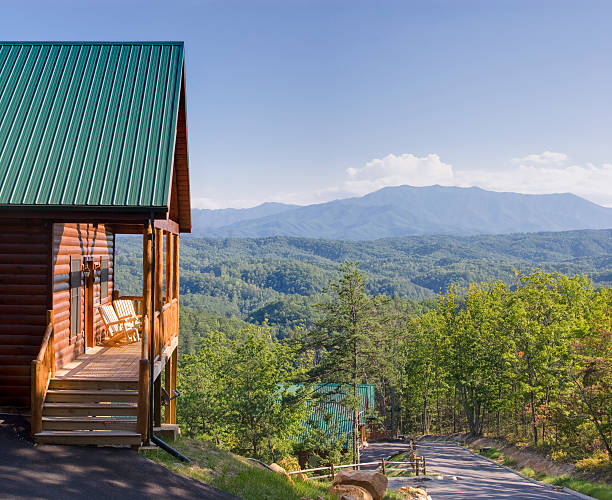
93 385
90 409
89 423
101 438
82 395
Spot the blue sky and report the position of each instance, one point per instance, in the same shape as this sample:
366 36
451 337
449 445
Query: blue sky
305 101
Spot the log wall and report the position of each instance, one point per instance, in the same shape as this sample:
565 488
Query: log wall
25 261
86 241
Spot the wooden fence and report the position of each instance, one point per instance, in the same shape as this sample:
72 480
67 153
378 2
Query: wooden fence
416 465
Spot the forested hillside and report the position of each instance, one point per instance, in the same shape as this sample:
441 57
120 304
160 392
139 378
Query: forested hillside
279 278
529 360
503 350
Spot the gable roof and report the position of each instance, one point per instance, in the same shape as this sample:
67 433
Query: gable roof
90 124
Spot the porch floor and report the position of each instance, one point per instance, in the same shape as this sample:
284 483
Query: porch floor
104 363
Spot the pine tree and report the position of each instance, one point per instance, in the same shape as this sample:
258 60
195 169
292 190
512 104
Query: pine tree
346 337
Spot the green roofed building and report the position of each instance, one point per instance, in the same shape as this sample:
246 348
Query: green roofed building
93 143
331 412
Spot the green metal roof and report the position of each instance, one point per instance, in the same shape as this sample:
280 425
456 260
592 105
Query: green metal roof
329 413
88 124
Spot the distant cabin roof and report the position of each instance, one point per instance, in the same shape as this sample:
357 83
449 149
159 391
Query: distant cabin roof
93 124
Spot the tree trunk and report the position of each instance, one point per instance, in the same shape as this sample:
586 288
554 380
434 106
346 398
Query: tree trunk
356 411
393 429
534 423
272 452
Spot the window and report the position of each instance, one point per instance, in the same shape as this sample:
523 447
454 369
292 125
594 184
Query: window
75 297
103 278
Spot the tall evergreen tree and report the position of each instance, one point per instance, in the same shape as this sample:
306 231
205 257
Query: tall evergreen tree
346 337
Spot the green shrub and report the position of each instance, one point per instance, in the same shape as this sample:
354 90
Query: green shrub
528 471
492 453
598 461
289 463
510 462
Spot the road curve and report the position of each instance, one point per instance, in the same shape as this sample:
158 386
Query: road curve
478 478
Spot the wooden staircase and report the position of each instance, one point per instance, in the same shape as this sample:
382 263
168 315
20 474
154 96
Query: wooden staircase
90 412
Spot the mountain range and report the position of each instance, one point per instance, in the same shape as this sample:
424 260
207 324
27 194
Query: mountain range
408 211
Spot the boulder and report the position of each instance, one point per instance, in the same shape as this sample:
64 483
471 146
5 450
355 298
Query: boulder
374 482
349 492
410 493
277 468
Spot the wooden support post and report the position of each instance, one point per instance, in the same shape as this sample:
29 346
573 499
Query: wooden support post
175 275
416 463
157 402
147 264
382 465
173 385
169 269
175 262
143 399
424 467
159 270
332 471
158 291
168 387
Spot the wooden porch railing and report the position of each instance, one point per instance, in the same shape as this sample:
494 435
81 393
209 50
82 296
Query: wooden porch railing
42 370
137 302
166 321
166 326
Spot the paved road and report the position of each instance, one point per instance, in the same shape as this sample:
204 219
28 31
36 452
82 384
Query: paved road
477 478
74 472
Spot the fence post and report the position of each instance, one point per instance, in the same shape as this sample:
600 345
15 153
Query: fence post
332 471
382 462
424 467
416 465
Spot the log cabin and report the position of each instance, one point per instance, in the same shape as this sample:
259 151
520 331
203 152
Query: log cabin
93 144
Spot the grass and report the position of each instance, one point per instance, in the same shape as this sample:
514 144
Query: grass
596 490
401 457
236 475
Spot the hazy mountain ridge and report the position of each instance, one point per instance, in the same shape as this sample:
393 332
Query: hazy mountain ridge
204 219
409 211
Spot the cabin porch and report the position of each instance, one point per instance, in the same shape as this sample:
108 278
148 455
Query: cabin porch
112 394
104 363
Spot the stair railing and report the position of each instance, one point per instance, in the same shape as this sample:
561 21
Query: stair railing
42 370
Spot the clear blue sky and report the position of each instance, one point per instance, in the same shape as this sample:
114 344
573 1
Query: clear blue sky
284 96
